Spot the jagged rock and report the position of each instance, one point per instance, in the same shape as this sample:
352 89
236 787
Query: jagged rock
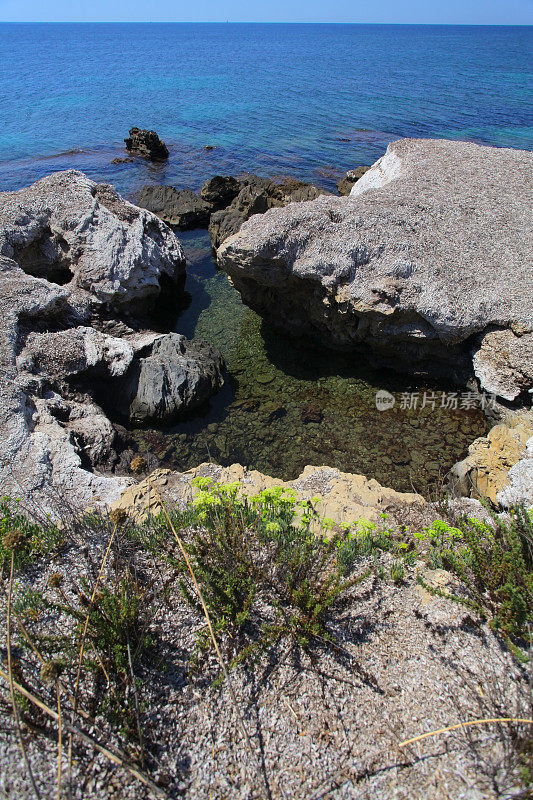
344 497
484 473
257 195
503 362
430 251
175 376
519 487
220 191
42 435
55 440
345 184
147 144
183 210
75 232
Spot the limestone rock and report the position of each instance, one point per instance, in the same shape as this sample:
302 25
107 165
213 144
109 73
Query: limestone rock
430 250
73 257
344 497
503 362
183 210
147 144
485 472
345 184
74 232
519 487
176 376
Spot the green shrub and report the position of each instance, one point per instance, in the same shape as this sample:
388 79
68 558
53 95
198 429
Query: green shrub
271 550
27 540
495 563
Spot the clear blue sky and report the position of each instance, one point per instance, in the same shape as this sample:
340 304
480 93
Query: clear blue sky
495 12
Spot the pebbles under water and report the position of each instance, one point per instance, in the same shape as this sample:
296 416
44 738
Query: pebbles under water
284 406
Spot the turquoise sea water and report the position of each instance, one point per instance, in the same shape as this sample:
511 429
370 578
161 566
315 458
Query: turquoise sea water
309 101
299 99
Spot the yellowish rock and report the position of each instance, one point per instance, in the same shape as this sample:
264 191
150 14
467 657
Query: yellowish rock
485 470
344 497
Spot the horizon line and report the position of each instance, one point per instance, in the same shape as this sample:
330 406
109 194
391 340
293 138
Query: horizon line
258 22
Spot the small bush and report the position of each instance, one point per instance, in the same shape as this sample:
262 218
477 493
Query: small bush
271 551
27 540
495 563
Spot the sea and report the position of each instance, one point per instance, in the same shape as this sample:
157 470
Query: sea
307 101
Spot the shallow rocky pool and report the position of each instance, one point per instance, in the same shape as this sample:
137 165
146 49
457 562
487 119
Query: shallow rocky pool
285 405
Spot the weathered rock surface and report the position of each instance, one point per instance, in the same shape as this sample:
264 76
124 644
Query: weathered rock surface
344 497
59 342
519 487
484 473
183 210
421 264
219 191
257 195
71 231
176 376
147 144
345 184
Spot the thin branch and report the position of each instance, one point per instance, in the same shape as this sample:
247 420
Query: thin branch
213 639
116 758
12 682
59 741
465 725
82 648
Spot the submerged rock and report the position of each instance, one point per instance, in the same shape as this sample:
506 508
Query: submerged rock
418 267
177 375
183 210
147 144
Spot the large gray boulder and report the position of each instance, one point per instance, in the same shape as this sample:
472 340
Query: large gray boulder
425 267
71 231
175 376
74 259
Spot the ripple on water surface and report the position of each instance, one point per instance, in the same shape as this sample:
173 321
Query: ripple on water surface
284 406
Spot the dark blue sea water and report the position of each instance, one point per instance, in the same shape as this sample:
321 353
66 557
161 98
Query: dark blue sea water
305 100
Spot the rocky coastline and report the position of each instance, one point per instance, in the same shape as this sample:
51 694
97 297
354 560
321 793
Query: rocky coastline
351 621
381 271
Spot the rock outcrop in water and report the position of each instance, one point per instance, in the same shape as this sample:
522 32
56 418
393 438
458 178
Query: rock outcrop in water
76 264
147 144
176 375
182 210
426 266
224 202
345 184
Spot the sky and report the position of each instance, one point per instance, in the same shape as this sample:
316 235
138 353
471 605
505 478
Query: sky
474 12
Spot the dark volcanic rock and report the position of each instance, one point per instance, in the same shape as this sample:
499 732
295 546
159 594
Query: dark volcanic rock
183 210
220 191
256 196
344 185
147 144
177 375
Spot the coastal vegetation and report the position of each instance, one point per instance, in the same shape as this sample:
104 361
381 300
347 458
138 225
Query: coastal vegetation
91 603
